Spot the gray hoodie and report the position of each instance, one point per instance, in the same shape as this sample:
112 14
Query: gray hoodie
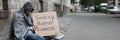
22 23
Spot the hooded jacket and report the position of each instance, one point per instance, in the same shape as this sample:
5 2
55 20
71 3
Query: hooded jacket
22 22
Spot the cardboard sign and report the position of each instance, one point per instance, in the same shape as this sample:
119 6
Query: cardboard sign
47 23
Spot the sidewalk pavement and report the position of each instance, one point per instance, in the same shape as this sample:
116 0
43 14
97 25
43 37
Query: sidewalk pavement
64 23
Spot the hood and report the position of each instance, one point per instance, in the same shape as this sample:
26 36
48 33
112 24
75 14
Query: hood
28 5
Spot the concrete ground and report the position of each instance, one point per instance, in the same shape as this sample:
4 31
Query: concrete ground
4 29
90 26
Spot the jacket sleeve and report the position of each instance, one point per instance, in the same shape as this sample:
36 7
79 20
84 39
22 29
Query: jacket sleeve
18 25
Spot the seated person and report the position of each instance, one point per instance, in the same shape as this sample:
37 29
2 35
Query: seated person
23 24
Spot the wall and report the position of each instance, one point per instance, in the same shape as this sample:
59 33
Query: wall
57 1
36 5
66 3
13 6
45 5
50 5
66 6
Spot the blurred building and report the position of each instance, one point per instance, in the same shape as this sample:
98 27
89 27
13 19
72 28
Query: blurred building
76 5
60 6
111 2
114 3
9 7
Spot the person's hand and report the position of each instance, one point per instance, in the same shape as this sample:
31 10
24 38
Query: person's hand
35 27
